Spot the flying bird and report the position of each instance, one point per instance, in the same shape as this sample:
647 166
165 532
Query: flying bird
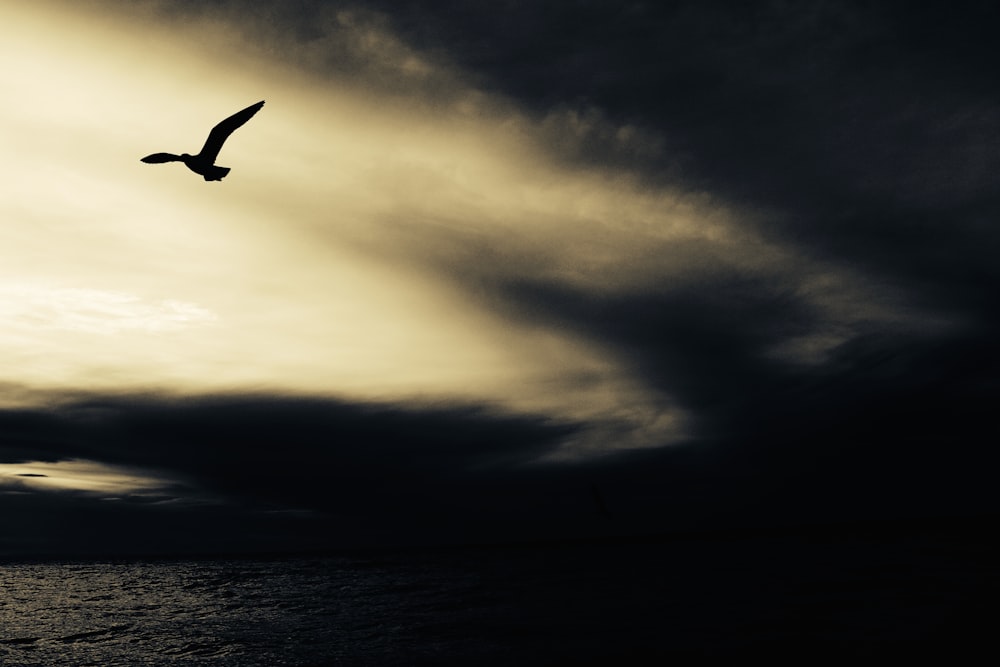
204 162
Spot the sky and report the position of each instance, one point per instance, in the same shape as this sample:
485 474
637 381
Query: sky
492 271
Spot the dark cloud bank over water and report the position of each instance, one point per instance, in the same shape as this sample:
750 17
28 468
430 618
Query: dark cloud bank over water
288 474
280 473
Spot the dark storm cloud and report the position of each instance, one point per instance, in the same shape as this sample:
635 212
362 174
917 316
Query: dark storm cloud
328 439
876 434
870 130
862 134
319 472
876 405
765 91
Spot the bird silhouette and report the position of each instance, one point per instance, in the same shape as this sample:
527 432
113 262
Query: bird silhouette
204 162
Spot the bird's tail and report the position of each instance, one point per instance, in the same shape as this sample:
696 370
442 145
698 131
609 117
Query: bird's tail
215 173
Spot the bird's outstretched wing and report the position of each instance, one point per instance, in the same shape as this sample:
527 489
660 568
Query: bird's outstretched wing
221 132
157 158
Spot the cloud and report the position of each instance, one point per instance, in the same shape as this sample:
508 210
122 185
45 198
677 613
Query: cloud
354 473
73 475
867 438
851 158
762 235
345 262
860 138
94 311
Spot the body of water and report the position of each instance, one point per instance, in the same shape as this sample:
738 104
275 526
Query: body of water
633 602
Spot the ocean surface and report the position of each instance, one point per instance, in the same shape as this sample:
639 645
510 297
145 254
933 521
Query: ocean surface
841 593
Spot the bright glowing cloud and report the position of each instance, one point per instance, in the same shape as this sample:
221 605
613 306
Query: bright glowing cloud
308 269
78 475
352 248
30 308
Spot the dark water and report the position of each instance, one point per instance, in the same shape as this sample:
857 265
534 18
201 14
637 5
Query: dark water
793 596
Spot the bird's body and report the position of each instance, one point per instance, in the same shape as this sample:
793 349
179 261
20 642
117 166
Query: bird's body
203 163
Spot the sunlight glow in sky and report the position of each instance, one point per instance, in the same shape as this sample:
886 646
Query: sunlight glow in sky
345 253
77 475
323 264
